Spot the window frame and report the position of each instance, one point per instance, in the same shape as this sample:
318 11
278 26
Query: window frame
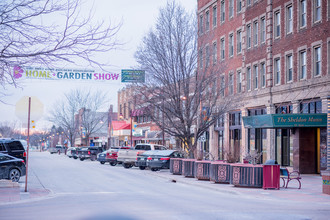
277 24
207 21
263 74
248 78
302 14
302 65
239 41
239 81
289 66
315 9
214 16
248 35
231 44
256 76
255 33
263 30
214 52
289 19
277 71
223 11
231 83
239 6
317 63
231 9
223 48
201 21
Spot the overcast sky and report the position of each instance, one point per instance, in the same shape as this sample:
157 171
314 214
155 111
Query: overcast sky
137 17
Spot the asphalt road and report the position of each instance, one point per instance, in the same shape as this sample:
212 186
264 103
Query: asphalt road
87 190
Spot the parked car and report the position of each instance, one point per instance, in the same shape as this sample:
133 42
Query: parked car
161 159
141 159
58 149
11 168
89 153
112 155
101 157
128 156
72 152
13 148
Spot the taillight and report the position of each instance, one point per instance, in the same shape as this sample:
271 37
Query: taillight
164 158
23 161
89 152
24 154
149 158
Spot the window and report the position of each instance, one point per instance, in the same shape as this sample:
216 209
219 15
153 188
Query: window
277 71
222 44
256 74
239 41
239 82
317 61
248 78
317 10
231 45
248 35
201 59
239 5
302 13
207 21
222 86
214 50
263 74
262 30
248 2
255 33
201 24
207 56
231 84
289 65
222 12
302 64
289 19
214 14
277 24
311 107
231 8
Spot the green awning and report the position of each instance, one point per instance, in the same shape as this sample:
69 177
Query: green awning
285 121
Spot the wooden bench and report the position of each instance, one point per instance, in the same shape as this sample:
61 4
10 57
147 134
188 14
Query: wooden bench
288 176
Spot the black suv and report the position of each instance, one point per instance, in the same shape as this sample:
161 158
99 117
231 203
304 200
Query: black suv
12 147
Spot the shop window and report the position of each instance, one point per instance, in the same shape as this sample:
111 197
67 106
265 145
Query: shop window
311 107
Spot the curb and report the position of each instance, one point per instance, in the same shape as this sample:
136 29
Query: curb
8 184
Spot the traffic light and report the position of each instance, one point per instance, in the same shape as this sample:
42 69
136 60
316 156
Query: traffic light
33 125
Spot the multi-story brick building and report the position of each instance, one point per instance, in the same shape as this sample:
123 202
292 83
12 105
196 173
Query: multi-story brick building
275 54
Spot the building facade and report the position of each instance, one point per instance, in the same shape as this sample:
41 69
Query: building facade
275 54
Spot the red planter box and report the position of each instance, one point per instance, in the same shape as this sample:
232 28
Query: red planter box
246 175
176 166
220 172
188 167
202 170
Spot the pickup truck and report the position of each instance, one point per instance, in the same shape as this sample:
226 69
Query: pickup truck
89 153
128 156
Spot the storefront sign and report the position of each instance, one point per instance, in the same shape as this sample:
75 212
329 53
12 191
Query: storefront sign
133 76
62 74
285 120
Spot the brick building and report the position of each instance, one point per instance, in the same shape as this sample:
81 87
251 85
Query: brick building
275 54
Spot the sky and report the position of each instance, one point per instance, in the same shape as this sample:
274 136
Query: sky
137 17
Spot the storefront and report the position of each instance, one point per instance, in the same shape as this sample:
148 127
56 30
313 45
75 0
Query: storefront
300 139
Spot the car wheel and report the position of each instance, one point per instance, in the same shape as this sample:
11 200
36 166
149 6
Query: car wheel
113 163
154 169
75 158
93 158
102 162
82 159
14 175
142 167
127 166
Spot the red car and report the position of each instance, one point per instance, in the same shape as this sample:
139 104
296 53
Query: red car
112 155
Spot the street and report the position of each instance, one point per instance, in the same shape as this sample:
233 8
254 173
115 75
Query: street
87 190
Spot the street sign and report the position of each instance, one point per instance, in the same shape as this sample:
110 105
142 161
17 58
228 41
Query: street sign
131 76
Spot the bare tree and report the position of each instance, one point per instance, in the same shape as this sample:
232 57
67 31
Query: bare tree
46 32
79 111
9 129
182 100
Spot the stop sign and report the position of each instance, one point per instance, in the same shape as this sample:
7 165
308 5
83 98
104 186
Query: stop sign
22 108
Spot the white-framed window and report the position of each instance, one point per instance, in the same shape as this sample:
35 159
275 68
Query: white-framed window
214 15
256 76
207 56
263 74
239 81
200 59
277 24
201 24
222 47
239 41
248 2
214 52
289 19
289 68
223 12
248 78
231 8
255 33
231 84
302 64
317 61
302 13
239 6
277 71
262 30
231 45
248 36
207 21
222 86
317 6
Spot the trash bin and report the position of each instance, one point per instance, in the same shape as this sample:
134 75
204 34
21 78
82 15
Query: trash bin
271 175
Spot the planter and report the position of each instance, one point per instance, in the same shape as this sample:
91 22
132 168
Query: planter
202 170
188 167
246 175
271 176
220 172
176 166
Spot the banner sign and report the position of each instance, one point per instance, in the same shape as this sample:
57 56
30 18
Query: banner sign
62 74
133 76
